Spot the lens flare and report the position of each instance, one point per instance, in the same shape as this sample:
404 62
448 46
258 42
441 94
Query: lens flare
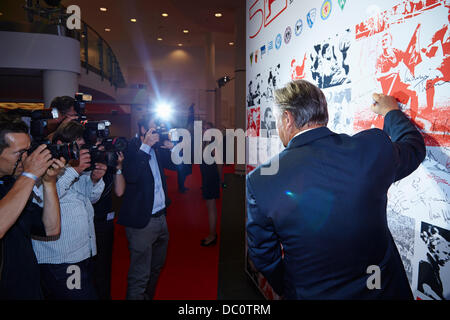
164 110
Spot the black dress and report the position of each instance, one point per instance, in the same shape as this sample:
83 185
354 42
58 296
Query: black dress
210 180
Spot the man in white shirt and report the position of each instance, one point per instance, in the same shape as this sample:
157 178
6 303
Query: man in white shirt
72 252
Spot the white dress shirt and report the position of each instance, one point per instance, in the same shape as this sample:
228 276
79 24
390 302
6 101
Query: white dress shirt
159 202
77 239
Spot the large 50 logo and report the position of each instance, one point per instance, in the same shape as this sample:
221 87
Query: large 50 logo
262 13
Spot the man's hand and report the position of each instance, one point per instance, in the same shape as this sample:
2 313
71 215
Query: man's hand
84 162
54 170
69 117
383 104
98 172
167 144
39 161
151 138
120 159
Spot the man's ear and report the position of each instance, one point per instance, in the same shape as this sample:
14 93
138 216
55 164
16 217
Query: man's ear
288 120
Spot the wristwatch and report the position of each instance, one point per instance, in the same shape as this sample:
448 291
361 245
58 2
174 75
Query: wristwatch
118 171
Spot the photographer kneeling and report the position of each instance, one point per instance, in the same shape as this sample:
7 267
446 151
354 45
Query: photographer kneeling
70 256
19 216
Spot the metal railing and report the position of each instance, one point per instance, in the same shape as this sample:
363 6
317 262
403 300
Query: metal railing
96 55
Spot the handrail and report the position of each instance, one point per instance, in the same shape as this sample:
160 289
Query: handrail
102 50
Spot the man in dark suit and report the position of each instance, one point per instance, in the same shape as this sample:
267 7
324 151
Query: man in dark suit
317 229
144 208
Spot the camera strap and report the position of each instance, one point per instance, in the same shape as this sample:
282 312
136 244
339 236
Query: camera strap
15 166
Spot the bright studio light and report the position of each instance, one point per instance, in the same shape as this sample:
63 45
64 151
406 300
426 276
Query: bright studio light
164 110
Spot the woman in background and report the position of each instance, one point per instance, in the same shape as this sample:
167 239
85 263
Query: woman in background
210 192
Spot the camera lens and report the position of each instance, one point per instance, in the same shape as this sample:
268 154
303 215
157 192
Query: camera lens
115 144
68 151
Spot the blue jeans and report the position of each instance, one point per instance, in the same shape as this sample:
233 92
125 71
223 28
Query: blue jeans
64 282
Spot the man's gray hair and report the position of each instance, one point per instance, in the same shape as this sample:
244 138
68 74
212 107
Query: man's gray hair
305 101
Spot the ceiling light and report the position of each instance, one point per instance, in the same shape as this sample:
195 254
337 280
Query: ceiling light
165 14
159 39
231 43
218 15
103 9
107 29
1 13
180 44
133 20
185 31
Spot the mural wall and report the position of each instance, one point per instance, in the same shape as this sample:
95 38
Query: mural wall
351 49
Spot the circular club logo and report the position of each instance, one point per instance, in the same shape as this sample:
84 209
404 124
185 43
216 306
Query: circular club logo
325 11
287 35
278 41
299 27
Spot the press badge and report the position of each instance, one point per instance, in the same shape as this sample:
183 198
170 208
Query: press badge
110 216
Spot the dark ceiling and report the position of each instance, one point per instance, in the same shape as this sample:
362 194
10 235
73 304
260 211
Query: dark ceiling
196 15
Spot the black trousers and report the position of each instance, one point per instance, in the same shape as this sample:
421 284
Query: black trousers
55 280
104 233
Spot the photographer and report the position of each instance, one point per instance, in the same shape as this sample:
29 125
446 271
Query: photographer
144 208
19 217
76 246
104 227
66 112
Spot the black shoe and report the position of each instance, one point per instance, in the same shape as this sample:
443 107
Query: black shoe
203 243
183 190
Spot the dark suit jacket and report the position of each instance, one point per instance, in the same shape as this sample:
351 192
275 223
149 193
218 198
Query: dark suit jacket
326 206
139 194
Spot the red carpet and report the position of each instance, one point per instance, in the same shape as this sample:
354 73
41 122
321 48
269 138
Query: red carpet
190 272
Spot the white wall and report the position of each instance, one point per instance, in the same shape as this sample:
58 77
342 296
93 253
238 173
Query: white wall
39 51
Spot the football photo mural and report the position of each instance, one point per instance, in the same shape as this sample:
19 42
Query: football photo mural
351 49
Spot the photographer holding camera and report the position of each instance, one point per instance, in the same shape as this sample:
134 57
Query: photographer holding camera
19 216
144 208
73 251
104 225
66 112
